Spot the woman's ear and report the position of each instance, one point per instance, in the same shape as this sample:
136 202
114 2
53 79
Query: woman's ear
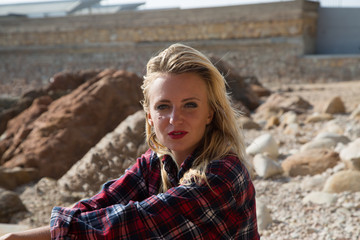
210 116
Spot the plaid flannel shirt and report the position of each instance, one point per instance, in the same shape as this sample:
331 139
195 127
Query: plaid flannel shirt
131 207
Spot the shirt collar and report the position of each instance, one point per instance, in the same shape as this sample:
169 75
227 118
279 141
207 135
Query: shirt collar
170 166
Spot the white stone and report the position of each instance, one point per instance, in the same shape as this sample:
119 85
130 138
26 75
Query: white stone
318 143
333 126
263 215
353 130
315 182
293 151
351 154
292 129
288 118
339 147
333 136
266 167
356 112
351 151
320 198
264 144
339 167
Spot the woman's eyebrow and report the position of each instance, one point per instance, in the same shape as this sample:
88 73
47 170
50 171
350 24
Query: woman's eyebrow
189 99
164 100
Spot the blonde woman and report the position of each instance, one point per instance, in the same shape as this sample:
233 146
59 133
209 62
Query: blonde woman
192 183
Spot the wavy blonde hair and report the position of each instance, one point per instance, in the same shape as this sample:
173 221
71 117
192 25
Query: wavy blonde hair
223 135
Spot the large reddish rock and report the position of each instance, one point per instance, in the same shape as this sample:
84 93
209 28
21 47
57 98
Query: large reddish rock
7 114
75 122
66 80
60 84
19 127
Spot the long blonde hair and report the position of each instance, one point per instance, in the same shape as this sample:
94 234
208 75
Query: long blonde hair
223 135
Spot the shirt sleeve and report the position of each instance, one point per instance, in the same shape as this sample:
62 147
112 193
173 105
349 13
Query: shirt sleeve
226 210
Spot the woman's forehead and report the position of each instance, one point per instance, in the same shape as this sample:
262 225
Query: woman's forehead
178 86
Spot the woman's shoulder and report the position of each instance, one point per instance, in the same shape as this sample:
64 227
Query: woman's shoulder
229 166
234 173
229 160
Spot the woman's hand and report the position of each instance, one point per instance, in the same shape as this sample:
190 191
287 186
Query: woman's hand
33 234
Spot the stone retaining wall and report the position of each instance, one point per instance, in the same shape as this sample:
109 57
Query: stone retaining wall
265 40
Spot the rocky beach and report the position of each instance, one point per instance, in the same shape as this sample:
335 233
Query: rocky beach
60 142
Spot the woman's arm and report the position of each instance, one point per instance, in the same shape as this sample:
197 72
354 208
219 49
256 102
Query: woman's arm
41 233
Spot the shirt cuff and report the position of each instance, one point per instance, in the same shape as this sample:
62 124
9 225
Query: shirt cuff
60 222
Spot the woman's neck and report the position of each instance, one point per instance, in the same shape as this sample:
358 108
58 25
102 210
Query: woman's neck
179 158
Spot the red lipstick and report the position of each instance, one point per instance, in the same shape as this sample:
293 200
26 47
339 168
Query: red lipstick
177 134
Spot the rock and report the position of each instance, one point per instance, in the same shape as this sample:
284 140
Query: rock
333 126
7 102
257 87
266 167
60 85
9 113
292 129
243 91
11 228
310 162
355 114
19 127
288 118
66 80
40 199
342 181
340 167
318 144
320 198
337 138
10 204
76 122
334 106
353 130
108 159
318 117
15 177
264 144
350 154
280 103
272 122
310 183
248 123
260 90
263 215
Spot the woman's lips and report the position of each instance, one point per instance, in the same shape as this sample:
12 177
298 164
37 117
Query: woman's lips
177 134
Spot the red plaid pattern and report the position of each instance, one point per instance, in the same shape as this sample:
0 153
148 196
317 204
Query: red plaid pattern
131 207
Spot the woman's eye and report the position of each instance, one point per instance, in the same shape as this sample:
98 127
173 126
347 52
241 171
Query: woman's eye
191 105
162 107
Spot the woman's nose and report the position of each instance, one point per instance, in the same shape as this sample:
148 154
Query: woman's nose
176 116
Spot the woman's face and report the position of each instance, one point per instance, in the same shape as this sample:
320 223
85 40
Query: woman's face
179 112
